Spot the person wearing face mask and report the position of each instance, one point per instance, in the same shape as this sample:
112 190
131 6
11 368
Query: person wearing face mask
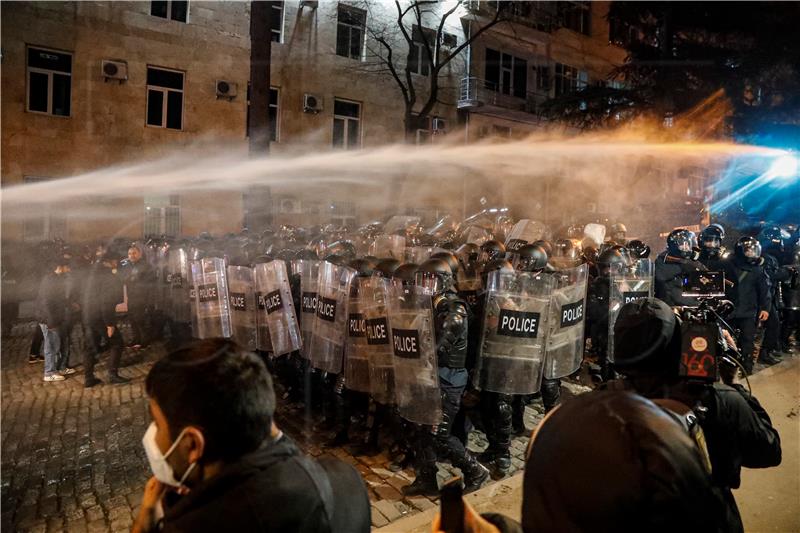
220 463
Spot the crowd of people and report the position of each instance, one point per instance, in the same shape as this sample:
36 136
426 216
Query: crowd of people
420 337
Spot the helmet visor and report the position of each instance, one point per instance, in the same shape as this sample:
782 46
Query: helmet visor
429 282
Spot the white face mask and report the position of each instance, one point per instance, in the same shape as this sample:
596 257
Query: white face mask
162 470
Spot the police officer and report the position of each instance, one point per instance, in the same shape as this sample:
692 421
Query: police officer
638 249
772 250
750 295
491 250
738 431
597 302
671 265
711 250
619 234
451 330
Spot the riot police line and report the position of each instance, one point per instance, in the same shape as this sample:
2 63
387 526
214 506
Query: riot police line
407 336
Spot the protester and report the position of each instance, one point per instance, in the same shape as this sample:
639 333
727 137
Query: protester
219 461
640 471
55 313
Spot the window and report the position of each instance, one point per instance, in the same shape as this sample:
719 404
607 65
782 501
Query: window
543 81
350 32
418 60
273 110
346 124
575 16
170 9
276 22
506 74
162 216
49 82
164 98
273 114
43 225
569 79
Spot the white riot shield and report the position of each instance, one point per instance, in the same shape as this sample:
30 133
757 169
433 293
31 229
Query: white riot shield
375 304
525 232
627 285
211 298
330 323
308 270
180 282
242 299
357 350
515 328
567 320
388 246
277 311
416 370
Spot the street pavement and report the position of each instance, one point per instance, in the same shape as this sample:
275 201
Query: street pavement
72 458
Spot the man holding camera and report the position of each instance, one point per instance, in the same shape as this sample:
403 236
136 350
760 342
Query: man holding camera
648 345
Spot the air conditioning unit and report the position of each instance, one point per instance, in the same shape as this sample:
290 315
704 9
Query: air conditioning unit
438 125
114 70
290 206
312 103
226 89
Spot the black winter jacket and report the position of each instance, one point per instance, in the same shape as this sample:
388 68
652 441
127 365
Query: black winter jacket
669 279
275 489
750 290
54 300
102 291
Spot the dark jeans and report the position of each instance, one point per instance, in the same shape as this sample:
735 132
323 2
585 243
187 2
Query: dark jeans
791 325
139 318
98 341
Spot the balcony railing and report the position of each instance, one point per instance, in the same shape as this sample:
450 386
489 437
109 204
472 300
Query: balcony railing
476 92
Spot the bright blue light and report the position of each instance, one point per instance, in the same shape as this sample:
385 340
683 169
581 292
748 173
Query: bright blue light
784 167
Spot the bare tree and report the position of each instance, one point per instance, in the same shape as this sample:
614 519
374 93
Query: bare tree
422 23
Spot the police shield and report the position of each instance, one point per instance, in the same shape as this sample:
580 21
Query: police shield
242 300
357 349
330 322
276 310
627 285
515 327
211 298
180 284
416 371
525 232
308 271
374 293
388 246
567 310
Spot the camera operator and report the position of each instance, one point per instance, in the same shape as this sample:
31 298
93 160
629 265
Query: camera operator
750 295
648 343
679 258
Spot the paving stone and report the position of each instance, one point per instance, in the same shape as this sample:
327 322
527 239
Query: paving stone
378 520
388 510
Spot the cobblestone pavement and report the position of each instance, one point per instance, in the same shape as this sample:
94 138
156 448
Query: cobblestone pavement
72 458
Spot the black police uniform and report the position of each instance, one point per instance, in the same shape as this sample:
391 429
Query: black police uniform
750 295
772 328
669 272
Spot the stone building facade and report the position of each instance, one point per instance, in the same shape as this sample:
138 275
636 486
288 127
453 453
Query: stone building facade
165 94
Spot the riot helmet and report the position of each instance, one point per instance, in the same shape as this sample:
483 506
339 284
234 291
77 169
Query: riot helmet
711 238
451 260
771 239
503 265
337 260
468 253
306 254
619 232
491 250
345 249
566 253
748 249
611 260
546 246
406 272
531 258
363 267
638 249
680 243
386 268
435 276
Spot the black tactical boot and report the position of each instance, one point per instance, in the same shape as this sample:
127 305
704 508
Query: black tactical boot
424 485
767 359
503 462
474 476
